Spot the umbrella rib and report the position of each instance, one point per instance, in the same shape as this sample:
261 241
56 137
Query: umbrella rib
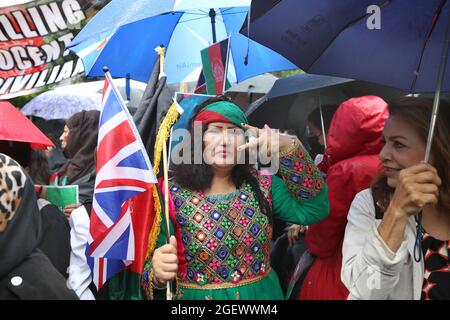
425 42
231 13
195 14
204 17
193 19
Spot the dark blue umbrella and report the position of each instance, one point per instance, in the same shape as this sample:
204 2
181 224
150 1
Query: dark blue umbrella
333 38
399 43
291 99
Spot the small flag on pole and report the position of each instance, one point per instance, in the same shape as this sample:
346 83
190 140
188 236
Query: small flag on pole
215 67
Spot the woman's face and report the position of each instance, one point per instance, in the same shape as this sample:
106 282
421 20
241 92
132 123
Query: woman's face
63 137
221 141
313 131
403 148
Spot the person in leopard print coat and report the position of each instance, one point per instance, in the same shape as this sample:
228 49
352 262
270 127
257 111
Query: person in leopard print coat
25 272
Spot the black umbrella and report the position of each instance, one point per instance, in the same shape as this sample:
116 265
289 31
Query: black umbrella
289 102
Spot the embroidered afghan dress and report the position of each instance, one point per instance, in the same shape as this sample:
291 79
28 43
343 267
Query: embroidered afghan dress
225 239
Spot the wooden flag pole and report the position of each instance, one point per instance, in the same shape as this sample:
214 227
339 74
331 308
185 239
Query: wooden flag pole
161 51
161 150
166 206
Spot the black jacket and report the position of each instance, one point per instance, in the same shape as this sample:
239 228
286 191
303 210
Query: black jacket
35 278
55 241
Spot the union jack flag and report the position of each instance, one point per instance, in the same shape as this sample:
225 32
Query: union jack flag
123 172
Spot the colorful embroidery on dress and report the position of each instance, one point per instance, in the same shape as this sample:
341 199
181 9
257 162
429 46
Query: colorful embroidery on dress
300 175
225 241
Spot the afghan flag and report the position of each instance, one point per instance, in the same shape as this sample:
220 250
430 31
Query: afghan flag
215 64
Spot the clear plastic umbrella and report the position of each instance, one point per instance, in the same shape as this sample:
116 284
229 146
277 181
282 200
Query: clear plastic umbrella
61 104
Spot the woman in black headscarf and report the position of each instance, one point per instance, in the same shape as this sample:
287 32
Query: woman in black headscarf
25 272
79 141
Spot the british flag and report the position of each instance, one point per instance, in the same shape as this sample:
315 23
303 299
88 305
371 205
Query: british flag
123 172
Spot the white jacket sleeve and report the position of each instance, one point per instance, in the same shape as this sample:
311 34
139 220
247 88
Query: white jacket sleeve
79 271
370 270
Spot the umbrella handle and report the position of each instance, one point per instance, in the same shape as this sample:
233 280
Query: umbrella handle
212 15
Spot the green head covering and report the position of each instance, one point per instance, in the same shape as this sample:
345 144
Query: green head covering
221 111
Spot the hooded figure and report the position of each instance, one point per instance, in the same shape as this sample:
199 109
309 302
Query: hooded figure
351 161
25 272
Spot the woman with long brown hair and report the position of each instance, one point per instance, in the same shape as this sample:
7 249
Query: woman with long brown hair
397 239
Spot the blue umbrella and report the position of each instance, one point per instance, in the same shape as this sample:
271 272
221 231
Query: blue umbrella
125 33
57 104
399 43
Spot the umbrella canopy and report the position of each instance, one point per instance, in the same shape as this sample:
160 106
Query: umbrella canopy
95 88
339 38
247 91
62 104
259 84
289 102
124 34
14 126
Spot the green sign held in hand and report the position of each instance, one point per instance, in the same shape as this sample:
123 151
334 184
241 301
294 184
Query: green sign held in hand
61 196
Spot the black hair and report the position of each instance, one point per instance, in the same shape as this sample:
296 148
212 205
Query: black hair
19 151
34 160
39 168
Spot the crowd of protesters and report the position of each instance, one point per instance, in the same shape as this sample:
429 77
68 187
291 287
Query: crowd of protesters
368 218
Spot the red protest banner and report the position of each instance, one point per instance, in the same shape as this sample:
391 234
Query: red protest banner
33 40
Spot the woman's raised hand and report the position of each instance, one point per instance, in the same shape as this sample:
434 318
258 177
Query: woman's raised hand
266 138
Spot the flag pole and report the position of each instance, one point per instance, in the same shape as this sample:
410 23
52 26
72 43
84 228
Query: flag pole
166 207
161 51
226 65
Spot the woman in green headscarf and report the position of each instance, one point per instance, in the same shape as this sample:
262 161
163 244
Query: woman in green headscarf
222 210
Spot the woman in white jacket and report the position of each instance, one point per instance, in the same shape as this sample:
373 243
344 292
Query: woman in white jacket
396 242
